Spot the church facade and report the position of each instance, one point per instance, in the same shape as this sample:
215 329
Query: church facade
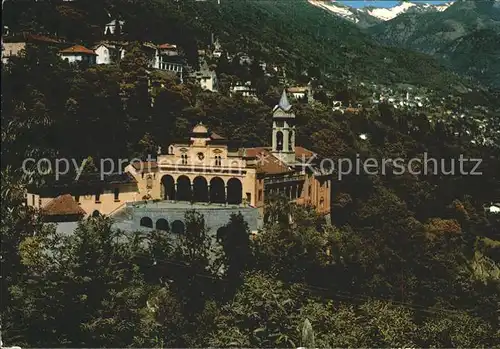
207 170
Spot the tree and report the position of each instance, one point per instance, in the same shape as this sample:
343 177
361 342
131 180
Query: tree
235 241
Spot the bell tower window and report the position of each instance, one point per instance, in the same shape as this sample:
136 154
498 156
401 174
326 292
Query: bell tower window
279 141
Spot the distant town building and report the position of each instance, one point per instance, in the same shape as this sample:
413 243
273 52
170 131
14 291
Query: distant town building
78 53
298 92
207 80
115 27
217 52
244 89
108 53
13 45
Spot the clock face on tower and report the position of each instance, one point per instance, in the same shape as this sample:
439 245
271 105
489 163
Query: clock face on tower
201 156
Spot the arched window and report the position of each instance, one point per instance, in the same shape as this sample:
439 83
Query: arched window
200 189
183 188
217 190
168 187
178 227
234 191
162 224
279 140
146 222
96 213
290 141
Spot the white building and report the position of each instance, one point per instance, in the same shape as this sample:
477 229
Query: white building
78 53
298 92
108 53
246 90
207 80
114 27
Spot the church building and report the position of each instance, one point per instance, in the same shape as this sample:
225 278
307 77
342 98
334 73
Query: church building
206 171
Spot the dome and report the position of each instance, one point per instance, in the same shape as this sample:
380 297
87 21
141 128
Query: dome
200 128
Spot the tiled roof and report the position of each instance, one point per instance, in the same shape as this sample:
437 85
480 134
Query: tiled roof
297 89
31 38
167 46
214 135
78 49
266 161
61 206
301 151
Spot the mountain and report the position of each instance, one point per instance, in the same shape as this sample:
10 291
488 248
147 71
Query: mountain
370 15
476 54
288 33
451 36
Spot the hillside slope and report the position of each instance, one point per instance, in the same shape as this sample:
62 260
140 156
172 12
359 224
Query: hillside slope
291 33
450 35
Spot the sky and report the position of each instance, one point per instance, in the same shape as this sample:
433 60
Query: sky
383 3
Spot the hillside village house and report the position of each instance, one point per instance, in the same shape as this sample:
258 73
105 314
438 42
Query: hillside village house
78 53
108 53
114 27
205 169
206 78
298 92
13 45
244 89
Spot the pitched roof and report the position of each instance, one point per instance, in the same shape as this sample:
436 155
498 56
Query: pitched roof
216 136
302 152
284 105
24 37
61 206
167 46
297 89
78 49
266 162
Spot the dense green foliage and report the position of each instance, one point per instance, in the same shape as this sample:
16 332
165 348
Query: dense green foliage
406 260
289 33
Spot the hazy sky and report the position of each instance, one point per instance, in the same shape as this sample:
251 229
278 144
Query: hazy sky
382 3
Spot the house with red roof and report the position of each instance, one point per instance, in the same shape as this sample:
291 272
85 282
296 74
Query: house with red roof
78 53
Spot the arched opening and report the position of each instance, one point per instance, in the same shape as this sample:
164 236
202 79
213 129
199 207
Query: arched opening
217 190
168 185
279 140
290 141
234 191
178 227
200 189
183 188
162 224
146 222
96 213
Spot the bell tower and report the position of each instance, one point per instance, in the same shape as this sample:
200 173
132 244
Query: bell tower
284 131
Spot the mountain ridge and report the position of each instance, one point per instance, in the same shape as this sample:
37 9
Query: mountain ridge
371 15
448 31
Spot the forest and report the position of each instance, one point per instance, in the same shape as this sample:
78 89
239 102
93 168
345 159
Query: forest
406 260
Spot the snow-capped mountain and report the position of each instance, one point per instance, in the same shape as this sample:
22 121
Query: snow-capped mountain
386 14
368 16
